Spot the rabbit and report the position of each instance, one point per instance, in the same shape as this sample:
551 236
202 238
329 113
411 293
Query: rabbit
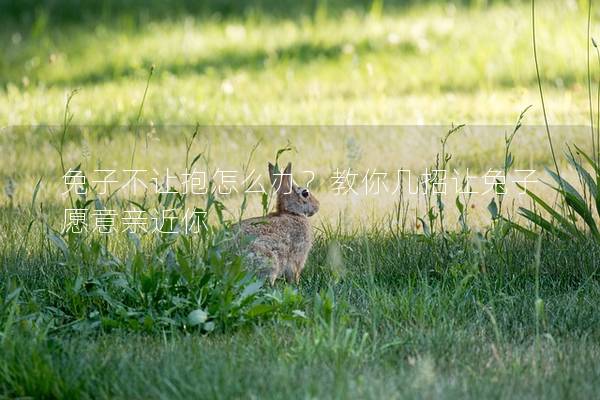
278 243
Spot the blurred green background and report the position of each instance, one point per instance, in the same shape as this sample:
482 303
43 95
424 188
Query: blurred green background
77 11
279 63
288 62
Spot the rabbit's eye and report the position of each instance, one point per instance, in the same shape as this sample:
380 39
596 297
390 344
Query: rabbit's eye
305 193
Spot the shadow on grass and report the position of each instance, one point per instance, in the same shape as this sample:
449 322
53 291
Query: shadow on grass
303 52
138 11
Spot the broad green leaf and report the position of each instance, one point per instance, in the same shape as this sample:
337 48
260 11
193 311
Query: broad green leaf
250 290
564 184
197 317
493 208
58 242
260 309
527 232
265 202
569 226
542 222
459 205
299 314
209 326
584 174
12 295
597 174
581 208
425 226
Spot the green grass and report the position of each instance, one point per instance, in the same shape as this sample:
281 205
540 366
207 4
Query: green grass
410 320
421 64
416 65
390 313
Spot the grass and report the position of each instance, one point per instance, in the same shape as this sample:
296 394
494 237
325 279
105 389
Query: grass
382 310
214 71
406 324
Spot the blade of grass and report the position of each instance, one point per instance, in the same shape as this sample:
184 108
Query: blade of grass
542 223
568 225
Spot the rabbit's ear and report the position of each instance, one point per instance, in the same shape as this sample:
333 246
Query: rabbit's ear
272 173
288 169
282 182
286 179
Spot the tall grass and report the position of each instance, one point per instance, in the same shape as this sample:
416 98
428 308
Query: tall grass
576 217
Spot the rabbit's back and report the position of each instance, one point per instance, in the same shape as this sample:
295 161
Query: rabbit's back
278 243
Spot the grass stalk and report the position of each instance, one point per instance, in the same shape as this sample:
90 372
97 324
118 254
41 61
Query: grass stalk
139 116
539 303
589 75
597 153
60 147
539 82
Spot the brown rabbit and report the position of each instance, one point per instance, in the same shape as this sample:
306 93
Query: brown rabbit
278 243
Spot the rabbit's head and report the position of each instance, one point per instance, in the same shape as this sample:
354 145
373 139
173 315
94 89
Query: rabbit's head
292 199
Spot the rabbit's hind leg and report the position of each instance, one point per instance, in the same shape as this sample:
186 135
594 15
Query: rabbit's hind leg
265 264
292 274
